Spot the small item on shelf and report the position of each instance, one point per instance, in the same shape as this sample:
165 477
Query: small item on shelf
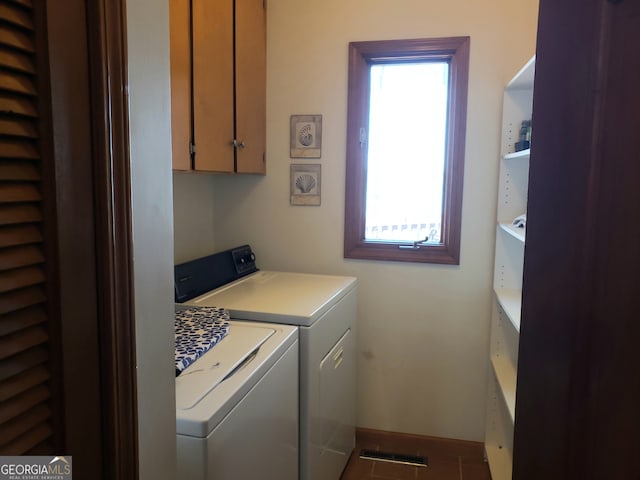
525 136
520 221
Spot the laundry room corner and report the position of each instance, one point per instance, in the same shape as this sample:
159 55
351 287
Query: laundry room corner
423 329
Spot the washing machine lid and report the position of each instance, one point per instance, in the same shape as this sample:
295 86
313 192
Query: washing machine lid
279 297
220 363
217 400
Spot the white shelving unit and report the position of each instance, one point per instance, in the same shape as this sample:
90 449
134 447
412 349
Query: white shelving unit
507 277
509 301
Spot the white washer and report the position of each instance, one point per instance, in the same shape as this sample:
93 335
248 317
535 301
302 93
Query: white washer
236 407
324 307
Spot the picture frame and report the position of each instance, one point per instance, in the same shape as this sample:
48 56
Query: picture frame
305 184
306 136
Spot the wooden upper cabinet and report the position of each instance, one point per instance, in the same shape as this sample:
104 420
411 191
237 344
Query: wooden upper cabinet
251 81
180 20
213 106
218 100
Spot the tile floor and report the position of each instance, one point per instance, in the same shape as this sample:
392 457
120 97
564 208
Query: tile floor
447 459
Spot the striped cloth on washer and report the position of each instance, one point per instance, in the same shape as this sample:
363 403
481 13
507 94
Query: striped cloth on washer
198 329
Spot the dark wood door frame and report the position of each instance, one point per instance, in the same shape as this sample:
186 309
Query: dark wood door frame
89 115
578 388
110 139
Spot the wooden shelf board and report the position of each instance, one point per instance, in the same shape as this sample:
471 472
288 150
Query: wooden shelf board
520 155
505 373
524 78
500 462
515 232
511 303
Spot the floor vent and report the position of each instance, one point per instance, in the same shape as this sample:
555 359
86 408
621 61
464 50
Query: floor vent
413 460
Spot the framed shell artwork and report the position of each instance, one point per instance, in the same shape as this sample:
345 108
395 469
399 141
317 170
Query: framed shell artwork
305 184
306 136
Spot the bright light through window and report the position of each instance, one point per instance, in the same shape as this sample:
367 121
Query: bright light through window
406 128
407 151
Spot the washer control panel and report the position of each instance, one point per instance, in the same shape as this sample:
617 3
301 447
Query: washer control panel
244 260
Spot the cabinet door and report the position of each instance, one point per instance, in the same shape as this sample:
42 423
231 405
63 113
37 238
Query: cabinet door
180 19
251 81
213 103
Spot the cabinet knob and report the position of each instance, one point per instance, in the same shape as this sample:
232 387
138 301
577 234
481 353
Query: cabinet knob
239 144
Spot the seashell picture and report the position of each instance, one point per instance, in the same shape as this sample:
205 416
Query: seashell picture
305 184
306 136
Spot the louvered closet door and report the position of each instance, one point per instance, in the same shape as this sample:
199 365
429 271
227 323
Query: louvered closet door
25 406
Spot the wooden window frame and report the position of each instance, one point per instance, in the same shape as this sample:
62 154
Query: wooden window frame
362 55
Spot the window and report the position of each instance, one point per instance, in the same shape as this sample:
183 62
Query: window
405 149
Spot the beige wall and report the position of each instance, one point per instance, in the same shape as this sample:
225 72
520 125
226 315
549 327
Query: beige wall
148 55
423 329
193 216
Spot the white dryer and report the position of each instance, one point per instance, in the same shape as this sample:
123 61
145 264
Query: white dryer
236 407
324 308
